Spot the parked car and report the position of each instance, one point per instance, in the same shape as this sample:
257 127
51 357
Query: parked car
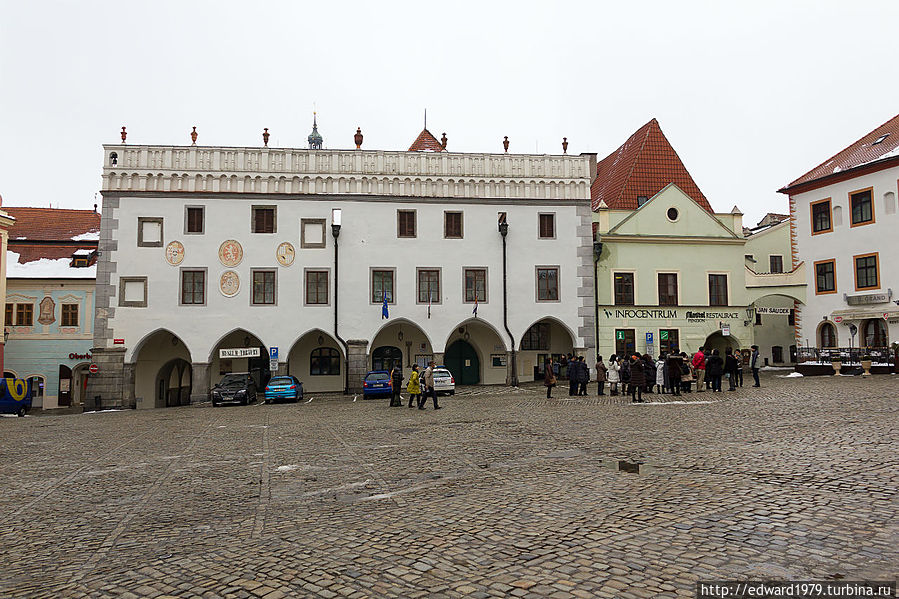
283 387
376 384
15 396
444 382
235 387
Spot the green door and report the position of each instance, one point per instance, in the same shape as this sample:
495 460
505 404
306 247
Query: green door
462 361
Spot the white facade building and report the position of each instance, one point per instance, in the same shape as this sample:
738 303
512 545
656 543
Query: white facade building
844 228
212 248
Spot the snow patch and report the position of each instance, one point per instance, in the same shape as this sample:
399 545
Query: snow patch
287 468
45 268
792 375
102 411
89 236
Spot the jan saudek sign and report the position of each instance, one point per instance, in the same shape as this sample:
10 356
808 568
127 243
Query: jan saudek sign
668 314
762 310
241 352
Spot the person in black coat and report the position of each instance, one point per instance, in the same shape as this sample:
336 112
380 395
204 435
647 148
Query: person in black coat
730 368
396 381
638 378
714 367
574 370
675 371
583 376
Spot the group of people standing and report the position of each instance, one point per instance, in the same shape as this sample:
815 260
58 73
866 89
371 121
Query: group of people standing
672 373
419 387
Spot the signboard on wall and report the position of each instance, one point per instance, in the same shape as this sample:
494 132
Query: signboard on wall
868 298
239 352
773 310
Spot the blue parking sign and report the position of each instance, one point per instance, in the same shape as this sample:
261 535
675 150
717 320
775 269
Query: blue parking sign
648 338
273 353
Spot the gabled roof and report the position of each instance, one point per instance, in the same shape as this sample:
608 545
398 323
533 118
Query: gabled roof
642 166
880 144
53 224
426 142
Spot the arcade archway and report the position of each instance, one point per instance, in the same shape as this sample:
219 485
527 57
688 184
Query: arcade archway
173 384
546 339
403 342
475 353
317 360
240 351
154 357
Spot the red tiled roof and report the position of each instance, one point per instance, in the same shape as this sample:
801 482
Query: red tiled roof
29 253
861 152
425 142
51 224
642 166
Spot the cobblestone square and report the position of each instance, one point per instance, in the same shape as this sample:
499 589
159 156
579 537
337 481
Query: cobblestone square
503 493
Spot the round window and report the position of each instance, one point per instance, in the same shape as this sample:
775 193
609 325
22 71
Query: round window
672 214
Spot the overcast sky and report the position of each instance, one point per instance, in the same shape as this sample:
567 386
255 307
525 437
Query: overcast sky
751 98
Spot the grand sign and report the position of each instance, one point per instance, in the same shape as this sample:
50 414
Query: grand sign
868 298
241 352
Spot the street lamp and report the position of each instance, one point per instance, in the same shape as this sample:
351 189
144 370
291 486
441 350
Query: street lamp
335 231
503 231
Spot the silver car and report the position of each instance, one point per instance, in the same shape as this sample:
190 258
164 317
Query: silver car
444 381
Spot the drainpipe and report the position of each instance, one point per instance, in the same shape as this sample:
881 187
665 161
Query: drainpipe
597 251
503 231
335 231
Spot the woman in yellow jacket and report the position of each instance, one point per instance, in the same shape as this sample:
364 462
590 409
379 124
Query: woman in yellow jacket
414 386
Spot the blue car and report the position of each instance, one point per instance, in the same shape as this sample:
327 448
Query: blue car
15 397
283 387
376 384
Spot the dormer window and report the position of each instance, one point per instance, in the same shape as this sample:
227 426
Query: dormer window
113 159
641 200
82 258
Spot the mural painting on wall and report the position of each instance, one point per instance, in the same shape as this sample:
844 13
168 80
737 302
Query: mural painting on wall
230 253
230 283
286 254
48 311
174 253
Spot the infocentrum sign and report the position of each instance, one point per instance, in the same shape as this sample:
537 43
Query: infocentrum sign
240 352
666 314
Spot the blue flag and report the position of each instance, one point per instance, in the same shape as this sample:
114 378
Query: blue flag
384 312
475 311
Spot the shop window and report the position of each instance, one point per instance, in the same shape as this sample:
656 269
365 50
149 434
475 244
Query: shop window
669 341
625 342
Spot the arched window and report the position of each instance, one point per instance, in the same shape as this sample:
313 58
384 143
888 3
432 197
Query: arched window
828 335
874 333
384 357
324 361
113 159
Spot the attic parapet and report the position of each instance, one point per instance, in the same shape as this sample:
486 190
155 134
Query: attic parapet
291 171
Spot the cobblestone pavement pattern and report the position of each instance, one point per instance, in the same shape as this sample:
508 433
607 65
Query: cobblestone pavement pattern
502 494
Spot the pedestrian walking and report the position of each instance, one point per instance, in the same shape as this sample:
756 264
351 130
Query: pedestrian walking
660 373
583 376
739 356
613 374
730 368
714 368
549 379
396 383
429 387
638 378
699 369
754 364
414 386
674 364
600 375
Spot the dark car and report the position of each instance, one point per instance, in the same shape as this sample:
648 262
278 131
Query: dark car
235 387
283 387
376 384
